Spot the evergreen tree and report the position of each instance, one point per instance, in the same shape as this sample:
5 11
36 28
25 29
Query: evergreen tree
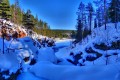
40 24
95 23
36 20
73 34
101 12
5 9
82 27
79 31
105 13
80 21
90 14
114 11
17 15
98 12
45 26
27 20
81 13
99 17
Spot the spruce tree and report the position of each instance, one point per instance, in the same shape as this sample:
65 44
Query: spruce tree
114 11
79 31
80 22
99 17
90 14
27 20
101 12
17 13
36 20
95 23
40 24
5 10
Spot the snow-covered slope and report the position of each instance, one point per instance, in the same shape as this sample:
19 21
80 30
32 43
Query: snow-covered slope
20 53
49 71
100 42
96 58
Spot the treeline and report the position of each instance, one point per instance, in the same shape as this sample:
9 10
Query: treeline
90 17
56 33
18 16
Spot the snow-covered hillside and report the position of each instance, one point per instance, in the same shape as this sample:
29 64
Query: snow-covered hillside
100 43
95 58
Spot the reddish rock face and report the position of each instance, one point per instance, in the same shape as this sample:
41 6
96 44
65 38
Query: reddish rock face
11 32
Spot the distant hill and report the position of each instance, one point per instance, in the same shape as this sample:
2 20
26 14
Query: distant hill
55 32
61 30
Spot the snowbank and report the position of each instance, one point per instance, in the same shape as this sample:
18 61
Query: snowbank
49 71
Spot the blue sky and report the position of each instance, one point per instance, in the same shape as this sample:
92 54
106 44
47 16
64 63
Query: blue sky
59 14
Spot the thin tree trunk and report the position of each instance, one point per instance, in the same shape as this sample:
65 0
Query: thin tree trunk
105 12
3 43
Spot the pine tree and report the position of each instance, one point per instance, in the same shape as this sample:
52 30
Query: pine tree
5 10
80 21
114 11
105 13
99 17
79 31
98 12
95 23
40 24
36 20
73 34
82 26
101 12
90 14
27 20
45 26
17 13
81 12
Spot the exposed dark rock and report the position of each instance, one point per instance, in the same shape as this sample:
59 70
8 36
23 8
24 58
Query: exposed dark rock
33 61
91 58
90 50
114 46
26 59
101 46
75 57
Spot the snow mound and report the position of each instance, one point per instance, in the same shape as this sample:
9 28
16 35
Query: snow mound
49 71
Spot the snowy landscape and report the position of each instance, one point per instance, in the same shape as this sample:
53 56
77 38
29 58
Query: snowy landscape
64 61
92 52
